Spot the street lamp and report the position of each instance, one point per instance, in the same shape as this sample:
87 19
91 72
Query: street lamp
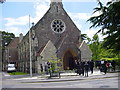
30 49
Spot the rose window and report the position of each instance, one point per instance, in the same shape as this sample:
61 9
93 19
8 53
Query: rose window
58 26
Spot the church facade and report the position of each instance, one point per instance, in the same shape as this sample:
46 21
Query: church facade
54 35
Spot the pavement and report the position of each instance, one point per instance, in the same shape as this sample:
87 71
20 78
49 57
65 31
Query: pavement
66 76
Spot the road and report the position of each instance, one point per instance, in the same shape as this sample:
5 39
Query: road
78 82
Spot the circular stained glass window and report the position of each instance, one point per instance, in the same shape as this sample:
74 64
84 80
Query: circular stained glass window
58 26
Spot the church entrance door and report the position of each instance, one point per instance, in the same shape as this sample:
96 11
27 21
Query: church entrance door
68 61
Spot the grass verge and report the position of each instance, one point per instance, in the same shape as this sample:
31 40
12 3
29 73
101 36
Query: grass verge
17 73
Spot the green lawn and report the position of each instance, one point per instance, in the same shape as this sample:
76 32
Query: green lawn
17 73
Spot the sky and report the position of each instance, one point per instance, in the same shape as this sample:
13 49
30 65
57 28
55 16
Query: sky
15 14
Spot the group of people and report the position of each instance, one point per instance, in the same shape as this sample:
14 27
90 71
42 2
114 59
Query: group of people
45 67
82 68
106 66
48 67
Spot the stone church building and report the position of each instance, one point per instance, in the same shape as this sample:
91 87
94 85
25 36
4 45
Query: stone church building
54 35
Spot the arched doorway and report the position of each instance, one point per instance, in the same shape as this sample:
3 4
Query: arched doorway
68 61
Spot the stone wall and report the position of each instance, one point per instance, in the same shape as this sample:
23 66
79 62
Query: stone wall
24 52
48 53
63 41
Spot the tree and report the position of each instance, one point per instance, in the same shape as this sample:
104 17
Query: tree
109 23
98 51
2 1
95 47
56 66
85 37
6 39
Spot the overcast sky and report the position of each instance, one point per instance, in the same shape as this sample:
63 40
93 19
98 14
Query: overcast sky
15 14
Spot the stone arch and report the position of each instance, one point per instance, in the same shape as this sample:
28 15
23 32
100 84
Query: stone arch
68 59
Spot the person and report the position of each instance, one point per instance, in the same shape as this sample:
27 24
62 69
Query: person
49 66
113 65
104 67
41 67
86 68
79 68
82 67
108 65
91 65
46 68
76 66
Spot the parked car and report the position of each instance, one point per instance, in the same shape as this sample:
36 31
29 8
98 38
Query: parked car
11 68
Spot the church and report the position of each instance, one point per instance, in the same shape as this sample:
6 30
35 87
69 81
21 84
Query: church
54 36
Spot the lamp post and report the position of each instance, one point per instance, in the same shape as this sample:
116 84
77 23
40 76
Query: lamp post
30 49
0 45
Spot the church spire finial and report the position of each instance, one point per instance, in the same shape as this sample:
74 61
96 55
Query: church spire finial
56 0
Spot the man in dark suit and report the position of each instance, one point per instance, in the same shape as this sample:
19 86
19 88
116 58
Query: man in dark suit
86 68
91 66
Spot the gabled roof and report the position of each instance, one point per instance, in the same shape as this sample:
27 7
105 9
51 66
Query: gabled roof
40 50
84 46
14 42
48 52
85 50
59 3
48 45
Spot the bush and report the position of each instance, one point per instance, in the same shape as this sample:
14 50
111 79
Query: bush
55 65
